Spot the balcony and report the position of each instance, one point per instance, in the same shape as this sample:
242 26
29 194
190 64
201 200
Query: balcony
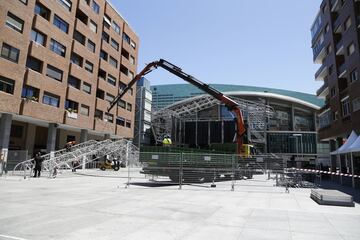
325 118
338 25
340 48
336 5
319 53
342 70
323 91
321 73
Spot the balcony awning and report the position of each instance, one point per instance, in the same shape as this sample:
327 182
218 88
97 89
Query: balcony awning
345 147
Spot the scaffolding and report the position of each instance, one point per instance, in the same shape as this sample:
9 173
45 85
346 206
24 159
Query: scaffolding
256 113
122 150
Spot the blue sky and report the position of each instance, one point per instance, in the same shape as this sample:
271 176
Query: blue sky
264 43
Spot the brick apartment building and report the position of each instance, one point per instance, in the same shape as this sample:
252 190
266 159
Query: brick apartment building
335 43
61 63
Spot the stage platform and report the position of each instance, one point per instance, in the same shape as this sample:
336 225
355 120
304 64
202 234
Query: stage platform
332 197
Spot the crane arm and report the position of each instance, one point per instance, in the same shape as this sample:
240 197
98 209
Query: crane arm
229 103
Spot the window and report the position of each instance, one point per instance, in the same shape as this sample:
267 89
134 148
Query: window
129 107
81 16
57 48
98 114
93 26
109 117
345 103
115 27
34 64
42 11
109 98
113 62
7 85
76 59
51 99
24 1
54 73
89 66
347 23
38 37
71 105
95 7
125 53
30 93
114 44
10 53
107 21
66 4
84 110
102 74
91 46
86 88
120 121
351 49
354 76
131 75
327 28
100 94
356 104
74 82
124 70
128 123
122 104
105 37
111 80
122 86
103 55
329 49
133 44
61 24
126 38
14 22
132 60
332 92
79 37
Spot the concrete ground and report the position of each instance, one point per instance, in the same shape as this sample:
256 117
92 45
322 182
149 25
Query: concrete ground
92 207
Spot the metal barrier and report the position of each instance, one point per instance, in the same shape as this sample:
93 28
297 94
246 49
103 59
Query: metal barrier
168 168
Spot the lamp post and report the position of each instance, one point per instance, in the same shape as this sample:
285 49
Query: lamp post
301 144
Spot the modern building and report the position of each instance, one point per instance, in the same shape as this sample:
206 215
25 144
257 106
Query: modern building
143 113
61 63
289 131
335 44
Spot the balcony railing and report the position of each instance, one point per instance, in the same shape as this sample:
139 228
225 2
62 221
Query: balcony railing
325 119
339 48
321 73
338 25
341 70
319 52
322 89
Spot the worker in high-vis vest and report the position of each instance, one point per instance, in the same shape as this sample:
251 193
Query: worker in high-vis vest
167 141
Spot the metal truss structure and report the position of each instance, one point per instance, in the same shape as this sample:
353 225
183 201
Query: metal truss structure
256 114
122 150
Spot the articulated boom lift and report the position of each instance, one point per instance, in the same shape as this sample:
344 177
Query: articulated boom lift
229 103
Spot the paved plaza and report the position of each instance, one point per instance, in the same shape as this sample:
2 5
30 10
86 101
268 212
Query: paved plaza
88 207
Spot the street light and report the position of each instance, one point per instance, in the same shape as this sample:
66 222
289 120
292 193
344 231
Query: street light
301 144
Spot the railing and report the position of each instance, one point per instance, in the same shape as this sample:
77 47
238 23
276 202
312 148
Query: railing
322 88
321 69
339 45
341 69
325 119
